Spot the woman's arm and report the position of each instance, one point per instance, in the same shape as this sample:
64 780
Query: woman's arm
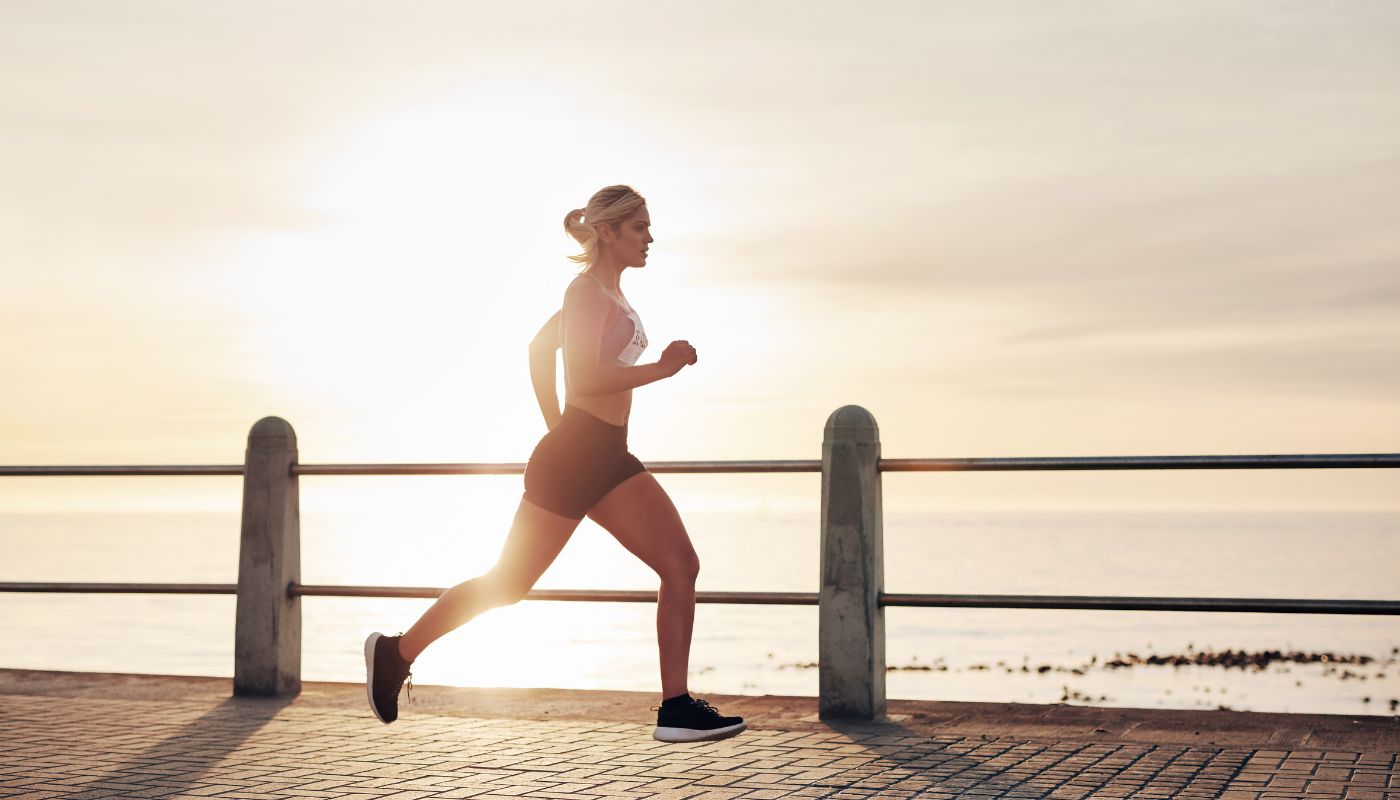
542 350
542 376
588 374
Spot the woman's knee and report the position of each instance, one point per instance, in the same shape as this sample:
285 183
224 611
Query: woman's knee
503 588
682 570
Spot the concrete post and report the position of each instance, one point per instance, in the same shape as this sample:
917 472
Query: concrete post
267 633
852 624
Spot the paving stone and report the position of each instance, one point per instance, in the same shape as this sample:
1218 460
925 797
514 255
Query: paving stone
101 748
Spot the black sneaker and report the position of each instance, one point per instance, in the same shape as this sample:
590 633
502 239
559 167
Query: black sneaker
385 671
694 721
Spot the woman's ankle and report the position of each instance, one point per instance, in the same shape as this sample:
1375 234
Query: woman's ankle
399 648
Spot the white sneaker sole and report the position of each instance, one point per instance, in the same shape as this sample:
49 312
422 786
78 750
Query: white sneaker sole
691 735
369 674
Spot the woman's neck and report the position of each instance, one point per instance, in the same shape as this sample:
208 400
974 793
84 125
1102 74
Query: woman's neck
610 280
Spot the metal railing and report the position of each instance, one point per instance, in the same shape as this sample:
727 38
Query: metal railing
852 596
1301 461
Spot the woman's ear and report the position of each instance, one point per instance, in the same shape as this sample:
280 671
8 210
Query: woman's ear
606 234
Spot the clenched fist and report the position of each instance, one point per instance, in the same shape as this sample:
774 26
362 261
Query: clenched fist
677 355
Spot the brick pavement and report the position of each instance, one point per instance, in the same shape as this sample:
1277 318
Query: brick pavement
75 746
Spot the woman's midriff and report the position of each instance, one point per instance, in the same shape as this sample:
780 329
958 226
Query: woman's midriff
612 408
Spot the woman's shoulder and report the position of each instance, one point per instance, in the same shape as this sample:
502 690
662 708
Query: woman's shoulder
586 288
584 283
585 292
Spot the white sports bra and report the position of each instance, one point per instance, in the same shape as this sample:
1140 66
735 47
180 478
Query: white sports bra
626 338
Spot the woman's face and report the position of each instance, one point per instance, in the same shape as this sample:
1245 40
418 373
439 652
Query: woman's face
630 241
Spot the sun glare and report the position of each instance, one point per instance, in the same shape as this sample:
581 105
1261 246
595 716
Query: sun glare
433 258
435 253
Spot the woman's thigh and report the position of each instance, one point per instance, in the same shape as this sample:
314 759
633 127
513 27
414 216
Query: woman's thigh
536 537
641 516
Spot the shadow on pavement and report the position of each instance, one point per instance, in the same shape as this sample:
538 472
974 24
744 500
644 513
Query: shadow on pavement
177 761
898 754
901 758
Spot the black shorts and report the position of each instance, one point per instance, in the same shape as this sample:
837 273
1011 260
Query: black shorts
580 460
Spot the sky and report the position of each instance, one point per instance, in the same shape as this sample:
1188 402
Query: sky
1004 228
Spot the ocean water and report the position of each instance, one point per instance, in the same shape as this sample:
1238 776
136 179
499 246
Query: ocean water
974 654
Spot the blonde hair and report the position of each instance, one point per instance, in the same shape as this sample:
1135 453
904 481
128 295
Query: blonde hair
609 206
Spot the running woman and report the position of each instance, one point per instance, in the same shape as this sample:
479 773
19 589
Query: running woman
582 467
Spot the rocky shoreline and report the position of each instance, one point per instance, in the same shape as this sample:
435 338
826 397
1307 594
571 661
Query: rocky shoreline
1229 659
1345 666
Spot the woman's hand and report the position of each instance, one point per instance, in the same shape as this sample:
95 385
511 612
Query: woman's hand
677 355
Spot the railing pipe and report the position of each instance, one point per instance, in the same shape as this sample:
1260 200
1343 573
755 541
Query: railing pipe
1254 605
517 468
1264 605
575 595
1299 461
1303 461
82 470
68 587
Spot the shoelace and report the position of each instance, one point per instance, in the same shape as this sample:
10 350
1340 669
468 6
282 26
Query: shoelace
701 705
